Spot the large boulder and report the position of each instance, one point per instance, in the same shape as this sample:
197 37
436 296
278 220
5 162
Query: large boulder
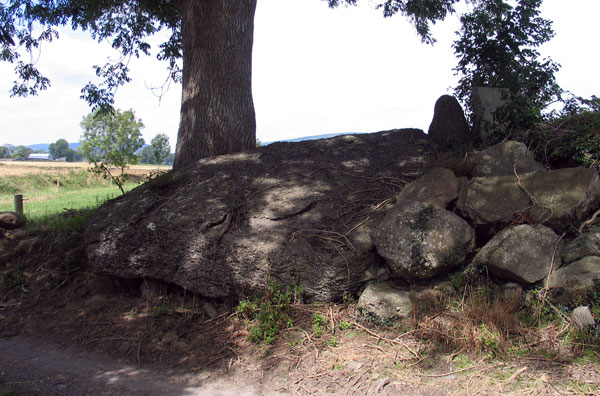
486 101
586 244
502 159
294 213
437 188
521 253
420 241
580 275
11 220
576 280
449 126
559 198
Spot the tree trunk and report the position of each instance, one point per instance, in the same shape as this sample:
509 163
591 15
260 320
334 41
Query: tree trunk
217 112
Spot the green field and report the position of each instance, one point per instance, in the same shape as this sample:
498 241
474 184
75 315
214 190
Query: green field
49 192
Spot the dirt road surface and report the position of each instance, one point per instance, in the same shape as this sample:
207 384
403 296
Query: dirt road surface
32 367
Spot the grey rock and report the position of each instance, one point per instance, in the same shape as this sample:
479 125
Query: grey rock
582 317
586 244
385 302
563 197
210 310
293 213
449 126
521 253
437 188
501 160
486 101
580 275
420 241
11 220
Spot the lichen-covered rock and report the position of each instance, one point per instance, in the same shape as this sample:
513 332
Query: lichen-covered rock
502 159
449 126
580 275
521 253
559 198
385 302
293 213
495 199
11 220
437 188
420 241
586 244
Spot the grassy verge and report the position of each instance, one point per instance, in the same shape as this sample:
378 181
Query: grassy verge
45 198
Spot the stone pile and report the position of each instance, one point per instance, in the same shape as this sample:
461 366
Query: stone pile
511 216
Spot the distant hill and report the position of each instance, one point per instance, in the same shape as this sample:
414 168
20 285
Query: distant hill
75 146
45 146
313 137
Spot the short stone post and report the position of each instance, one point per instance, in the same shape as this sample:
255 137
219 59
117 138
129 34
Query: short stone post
19 203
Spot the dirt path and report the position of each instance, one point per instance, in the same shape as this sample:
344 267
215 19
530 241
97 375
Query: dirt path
32 367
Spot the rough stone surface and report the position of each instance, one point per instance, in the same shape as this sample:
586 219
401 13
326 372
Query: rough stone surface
437 188
486 100
582 317
11 220
385 302
586 244
563 197
295 213
520 253
580 275
502 159
449 127
420 241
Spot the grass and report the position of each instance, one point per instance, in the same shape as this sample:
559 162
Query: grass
44 198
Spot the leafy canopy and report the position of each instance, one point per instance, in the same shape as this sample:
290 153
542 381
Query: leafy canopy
127 25
111 139
21 153
59 149
160 148
497 47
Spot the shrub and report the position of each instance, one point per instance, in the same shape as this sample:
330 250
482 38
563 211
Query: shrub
268 315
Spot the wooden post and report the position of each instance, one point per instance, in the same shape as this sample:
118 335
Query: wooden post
19 203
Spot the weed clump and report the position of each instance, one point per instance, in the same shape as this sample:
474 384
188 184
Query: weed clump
266 316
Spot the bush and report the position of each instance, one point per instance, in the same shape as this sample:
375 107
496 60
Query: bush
268 315
571 138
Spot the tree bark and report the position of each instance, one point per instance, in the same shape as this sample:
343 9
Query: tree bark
217 111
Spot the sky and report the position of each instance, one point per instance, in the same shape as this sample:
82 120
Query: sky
315 71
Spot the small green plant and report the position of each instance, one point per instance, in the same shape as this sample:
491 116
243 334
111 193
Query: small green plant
461 361
267 316
332 342
319 324
489 340
347 298
345 325
162 310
